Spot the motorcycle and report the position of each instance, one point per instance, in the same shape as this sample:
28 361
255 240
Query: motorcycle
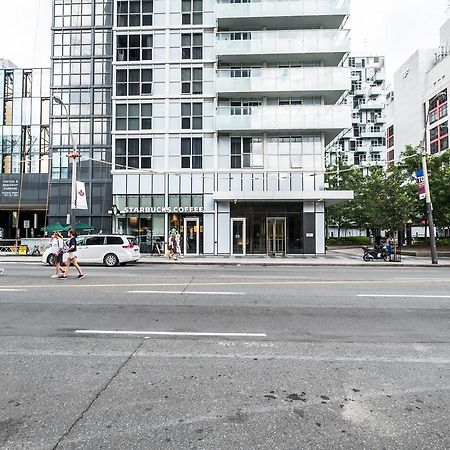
373 253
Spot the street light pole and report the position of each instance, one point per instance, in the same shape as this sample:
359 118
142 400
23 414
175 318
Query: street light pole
429 205
73 155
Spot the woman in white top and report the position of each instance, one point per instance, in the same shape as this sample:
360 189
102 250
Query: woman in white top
57 243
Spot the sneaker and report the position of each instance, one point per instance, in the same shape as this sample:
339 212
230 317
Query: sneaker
62 277
54 276
81 276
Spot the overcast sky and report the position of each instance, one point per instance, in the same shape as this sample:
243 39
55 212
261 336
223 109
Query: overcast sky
394 28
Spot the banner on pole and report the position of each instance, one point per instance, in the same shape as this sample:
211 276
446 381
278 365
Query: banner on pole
81 196
420 183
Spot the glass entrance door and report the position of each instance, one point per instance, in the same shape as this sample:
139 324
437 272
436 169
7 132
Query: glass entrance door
238 237
276 235
191 237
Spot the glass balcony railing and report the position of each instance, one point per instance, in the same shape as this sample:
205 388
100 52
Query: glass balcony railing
294 79
331 119
228 9
276 42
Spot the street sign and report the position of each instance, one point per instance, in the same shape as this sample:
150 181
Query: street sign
420 183
26 224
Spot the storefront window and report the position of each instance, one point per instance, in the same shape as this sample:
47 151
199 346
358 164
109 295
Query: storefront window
174 201
158 200
133 201
197 200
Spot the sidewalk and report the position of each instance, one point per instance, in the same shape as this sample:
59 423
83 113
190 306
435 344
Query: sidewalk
334 257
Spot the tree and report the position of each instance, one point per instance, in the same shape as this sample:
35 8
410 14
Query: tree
384 200
342 177
439 180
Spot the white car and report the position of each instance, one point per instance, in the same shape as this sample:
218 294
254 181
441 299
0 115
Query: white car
107 249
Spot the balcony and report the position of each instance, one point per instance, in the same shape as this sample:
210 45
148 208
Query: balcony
373 134
327 119
376 91
371 105
328 83
327 14
329 46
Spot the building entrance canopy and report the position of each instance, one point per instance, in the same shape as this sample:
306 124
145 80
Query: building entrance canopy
328 197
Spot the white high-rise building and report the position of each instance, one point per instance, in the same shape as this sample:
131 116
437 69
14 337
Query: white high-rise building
365 143
421 86
221 111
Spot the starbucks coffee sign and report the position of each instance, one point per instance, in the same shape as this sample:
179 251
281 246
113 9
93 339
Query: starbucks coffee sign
162 209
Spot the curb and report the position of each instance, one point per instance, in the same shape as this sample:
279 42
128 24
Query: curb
298 263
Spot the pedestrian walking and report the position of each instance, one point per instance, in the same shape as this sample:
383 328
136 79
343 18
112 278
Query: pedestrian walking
178 245
73 256
57 244
173 246
1 271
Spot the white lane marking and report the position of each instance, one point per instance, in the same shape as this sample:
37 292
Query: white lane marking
186 292
11 290
171 333
403 296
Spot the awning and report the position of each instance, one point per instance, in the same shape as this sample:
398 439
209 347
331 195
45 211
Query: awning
328 197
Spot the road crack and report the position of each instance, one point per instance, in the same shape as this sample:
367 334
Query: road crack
188 284
103 389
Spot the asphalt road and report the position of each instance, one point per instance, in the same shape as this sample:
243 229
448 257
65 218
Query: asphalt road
156 357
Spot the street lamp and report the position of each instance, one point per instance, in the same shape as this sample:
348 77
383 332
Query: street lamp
73 155
429 205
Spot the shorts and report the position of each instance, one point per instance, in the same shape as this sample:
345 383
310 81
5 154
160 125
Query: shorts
72 255
57 258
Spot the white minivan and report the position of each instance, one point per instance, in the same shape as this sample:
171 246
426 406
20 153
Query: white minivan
107 249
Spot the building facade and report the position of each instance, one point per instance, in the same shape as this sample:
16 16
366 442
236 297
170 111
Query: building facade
24 150
221 115
201 117
81 79
365 143
419 107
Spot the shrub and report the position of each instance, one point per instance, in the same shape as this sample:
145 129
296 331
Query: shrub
351 240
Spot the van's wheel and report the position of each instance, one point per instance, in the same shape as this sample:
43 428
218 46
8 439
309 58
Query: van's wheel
49 257
110 260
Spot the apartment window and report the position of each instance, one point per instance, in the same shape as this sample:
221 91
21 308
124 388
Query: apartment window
134 13
439 138
133 116
191 153
375 157
27 84
299 101
135 153
241 150
438 107
390 136
134 82
191 116
192 12
191 80
360 158
134 47
191 46
243 107
8 89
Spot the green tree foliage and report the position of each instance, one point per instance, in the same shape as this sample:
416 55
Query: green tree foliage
387 199
439 179
342 177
